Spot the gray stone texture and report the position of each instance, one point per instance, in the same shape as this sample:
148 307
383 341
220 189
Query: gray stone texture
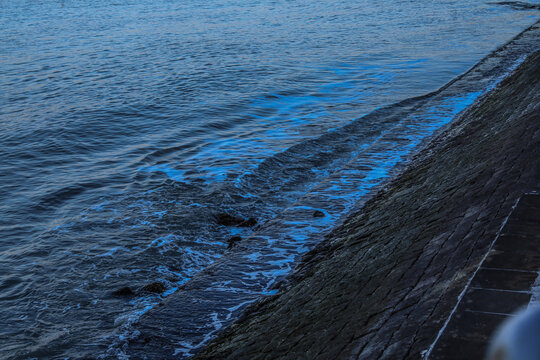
502 285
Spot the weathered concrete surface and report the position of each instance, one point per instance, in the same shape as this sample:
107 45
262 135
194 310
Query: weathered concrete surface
503 284
384 283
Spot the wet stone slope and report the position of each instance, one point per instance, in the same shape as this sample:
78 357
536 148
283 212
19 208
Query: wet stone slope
384 282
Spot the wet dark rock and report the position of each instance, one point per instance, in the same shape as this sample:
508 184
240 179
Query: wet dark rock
230 220
232 241
318 214
125 291
155 287
249 222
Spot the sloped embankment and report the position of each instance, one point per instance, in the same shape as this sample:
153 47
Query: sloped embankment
385 281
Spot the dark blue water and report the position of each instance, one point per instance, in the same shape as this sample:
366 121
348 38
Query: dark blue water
125 126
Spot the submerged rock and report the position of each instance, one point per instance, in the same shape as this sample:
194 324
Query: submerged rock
155 287
249 222
125 291
232 241
230 220
318 213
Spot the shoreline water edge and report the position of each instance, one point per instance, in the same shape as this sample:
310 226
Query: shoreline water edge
384 283
381 283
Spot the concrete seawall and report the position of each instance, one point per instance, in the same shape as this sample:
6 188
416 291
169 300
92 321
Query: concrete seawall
385 282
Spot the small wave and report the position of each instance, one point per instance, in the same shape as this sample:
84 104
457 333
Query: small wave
518 5
57 197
